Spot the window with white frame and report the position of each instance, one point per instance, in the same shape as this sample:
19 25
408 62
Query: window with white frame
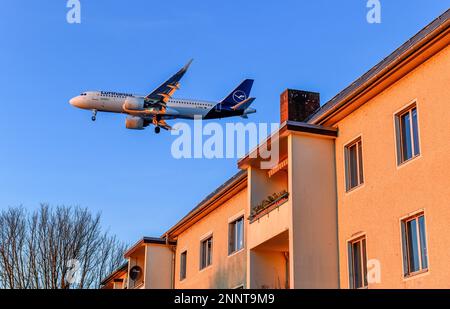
407 134
206 252
236 235
357 263
414 245
354 175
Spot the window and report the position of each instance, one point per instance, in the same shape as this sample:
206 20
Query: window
206 252
183 261
354 164
357 263
414 245
407 134
236 235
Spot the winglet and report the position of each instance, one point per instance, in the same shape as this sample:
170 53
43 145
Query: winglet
166 89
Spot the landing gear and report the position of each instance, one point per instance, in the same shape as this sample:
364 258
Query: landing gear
157 130
94 115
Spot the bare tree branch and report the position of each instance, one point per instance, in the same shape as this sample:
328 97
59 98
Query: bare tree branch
36 249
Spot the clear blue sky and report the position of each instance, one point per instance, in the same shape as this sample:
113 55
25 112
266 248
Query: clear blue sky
52 152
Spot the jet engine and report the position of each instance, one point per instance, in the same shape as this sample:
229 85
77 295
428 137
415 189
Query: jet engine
135 123
136 104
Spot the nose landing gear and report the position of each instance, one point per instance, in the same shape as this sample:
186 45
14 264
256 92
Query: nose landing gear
94 115
157 130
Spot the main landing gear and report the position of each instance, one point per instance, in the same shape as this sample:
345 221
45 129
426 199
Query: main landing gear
94 115
156 120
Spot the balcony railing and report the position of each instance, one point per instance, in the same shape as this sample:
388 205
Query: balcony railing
270 203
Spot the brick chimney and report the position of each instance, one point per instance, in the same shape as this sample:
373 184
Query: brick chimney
298 105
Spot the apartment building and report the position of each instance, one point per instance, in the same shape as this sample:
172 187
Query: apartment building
392 171
359 198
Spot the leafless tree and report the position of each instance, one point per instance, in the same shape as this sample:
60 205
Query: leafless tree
55 248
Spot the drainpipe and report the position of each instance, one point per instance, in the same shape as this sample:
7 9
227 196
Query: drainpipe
173 267
172 270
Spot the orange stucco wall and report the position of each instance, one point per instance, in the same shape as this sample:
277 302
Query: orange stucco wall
313 237
226 271
268 269
158 266
391 192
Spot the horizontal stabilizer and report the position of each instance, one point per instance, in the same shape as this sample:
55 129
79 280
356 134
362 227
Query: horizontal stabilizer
244 104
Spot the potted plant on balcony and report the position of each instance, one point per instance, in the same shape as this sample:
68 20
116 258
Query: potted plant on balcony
272 201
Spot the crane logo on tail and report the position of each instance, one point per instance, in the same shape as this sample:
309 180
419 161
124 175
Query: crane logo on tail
239 96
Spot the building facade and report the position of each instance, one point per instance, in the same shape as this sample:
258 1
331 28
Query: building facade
359 198
392 174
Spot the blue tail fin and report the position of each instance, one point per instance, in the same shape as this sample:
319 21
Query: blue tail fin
241 93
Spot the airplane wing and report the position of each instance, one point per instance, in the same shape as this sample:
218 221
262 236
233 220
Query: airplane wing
163 93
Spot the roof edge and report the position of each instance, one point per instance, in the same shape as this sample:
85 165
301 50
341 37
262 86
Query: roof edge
206 202
122 267
148 240
406 50
285 128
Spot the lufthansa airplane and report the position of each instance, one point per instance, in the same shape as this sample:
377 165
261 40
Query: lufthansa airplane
159 106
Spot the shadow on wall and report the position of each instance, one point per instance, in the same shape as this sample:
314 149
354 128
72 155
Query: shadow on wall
270 269
278 282
231 276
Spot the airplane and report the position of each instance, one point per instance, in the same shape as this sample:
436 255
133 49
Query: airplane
159 106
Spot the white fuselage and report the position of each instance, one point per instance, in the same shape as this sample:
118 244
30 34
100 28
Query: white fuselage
114 102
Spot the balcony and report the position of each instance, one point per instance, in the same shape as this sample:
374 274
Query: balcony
150 264
266 206
292 240
270 212
269 263
136 268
